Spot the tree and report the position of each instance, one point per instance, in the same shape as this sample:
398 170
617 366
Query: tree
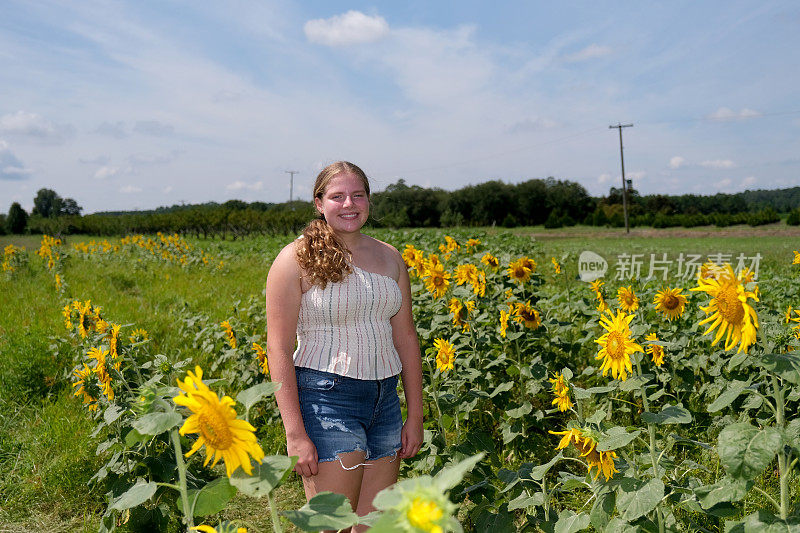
70 207
47 203
17 219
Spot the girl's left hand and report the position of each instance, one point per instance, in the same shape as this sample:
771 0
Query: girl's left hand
411 438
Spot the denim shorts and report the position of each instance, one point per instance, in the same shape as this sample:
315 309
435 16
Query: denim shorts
343 414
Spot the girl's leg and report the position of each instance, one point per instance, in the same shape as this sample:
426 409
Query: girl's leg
380 474
334 477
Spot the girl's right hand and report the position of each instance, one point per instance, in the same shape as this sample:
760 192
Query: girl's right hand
306 452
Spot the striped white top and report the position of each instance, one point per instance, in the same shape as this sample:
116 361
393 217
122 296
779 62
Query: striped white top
344 328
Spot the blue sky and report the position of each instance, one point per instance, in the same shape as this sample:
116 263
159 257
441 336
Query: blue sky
124 105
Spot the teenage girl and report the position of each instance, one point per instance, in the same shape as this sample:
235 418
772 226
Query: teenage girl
339 332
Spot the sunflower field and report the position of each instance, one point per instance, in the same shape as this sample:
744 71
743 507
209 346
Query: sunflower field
136 394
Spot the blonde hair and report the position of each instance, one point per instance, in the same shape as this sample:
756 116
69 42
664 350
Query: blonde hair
323 257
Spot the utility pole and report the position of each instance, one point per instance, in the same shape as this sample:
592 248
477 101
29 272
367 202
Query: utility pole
291 182
624 184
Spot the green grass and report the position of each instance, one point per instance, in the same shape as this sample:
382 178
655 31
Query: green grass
46 449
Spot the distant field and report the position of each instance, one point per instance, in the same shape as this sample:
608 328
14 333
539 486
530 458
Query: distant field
47 449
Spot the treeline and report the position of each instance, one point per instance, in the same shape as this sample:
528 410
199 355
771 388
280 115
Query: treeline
553 203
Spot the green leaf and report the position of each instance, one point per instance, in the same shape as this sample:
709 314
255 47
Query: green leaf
211 498
618 525
113 412
733 391
763 522
792 435
523 501
326 510
634 383
569 522
267 475
538 473
726 489
786 365
602 509
136 495
133 437
520 411
640 499
615 438
155 423
502 520
745 451
249 397
503 387
451 476
670 414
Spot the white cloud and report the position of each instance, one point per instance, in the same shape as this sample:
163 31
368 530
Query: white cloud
352 27
718 163
241 185
590 52
27 124
154 128
532 124
99 160
115 130
748 181
723 183
11 168
167 189
106 172
604 178
676 162
636 175
725 113
130 189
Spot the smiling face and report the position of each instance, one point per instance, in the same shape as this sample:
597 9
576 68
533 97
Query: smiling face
344 203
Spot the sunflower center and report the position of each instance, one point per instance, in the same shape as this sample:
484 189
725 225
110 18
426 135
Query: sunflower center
670 302
616 345
728 304
214 428
438 281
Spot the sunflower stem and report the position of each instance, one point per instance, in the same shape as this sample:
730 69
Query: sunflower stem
273 511
188 513
651 429
783 458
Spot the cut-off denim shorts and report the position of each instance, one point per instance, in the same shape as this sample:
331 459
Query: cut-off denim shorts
343 414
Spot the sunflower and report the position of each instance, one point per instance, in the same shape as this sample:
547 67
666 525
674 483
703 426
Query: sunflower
138 335
101 369
490 261
229 333
59 281
528 263
113 345
424 514
518 271
437 279
602 306
445 355
729 310
472 243
788 314
67 313
261 354
656 351
670 302
461 312
503 322
214 419
711 270
617 345
796 260
556 266
525 314
414 259
628 301
479 284
466 274
561 390
585 442
82 383
597 287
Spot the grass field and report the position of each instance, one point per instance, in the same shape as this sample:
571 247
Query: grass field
47 445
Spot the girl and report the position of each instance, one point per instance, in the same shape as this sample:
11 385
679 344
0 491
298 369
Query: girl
346 299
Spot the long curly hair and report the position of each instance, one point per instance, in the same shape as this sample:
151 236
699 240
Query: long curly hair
323 257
